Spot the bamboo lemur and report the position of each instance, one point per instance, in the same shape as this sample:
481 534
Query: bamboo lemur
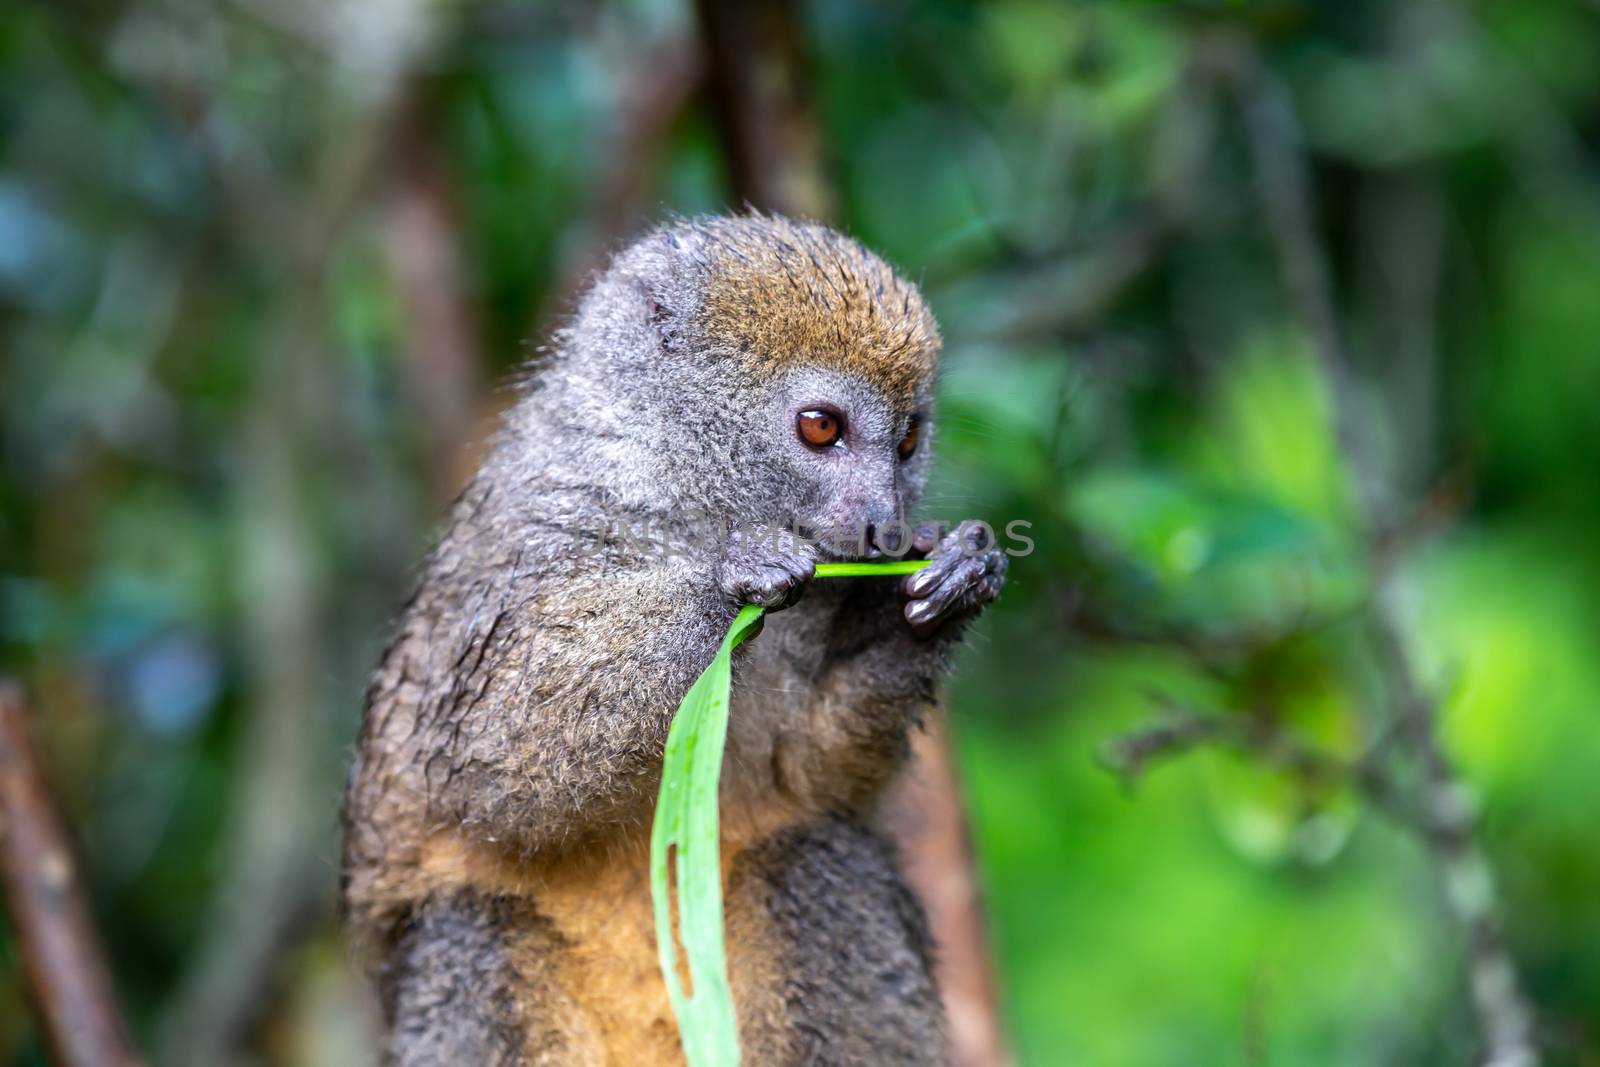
751 369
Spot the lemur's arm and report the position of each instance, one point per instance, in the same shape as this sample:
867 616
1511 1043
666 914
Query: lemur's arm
561 700
888 648
894 638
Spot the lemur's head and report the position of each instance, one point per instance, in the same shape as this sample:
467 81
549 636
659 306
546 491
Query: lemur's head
781 372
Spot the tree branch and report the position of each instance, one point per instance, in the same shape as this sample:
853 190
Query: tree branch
441 334
1263 736
1447 822
772 141
61 952
924 813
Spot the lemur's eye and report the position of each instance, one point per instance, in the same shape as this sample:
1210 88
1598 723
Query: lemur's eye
908 443
818 428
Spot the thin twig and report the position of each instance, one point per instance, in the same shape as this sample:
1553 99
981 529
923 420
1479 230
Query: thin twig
1258 734
1072 295
61 952
1449 824
1283 183
1447 821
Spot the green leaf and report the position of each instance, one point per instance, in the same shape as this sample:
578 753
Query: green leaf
685 844
685 836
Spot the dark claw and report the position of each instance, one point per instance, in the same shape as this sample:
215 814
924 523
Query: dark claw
922 582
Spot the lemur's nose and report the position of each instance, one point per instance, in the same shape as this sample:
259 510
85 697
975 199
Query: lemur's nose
869 541
888 538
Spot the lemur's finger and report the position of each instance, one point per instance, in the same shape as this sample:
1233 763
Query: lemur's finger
779 586
941 563
996 563
768 587
988 590
771 575
967 541
925 538
937 602
921 583
975 581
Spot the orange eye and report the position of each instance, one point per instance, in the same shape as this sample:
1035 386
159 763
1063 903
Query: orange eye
908 443
819 429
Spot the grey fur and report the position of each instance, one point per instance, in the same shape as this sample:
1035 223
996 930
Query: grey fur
858 966
524 702
447 983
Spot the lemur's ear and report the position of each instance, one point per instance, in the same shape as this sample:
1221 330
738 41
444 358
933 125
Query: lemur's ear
666 269
667 323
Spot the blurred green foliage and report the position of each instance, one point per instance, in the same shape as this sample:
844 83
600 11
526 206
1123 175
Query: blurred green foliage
218 465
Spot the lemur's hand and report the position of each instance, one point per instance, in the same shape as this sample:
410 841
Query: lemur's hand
766 566
966 572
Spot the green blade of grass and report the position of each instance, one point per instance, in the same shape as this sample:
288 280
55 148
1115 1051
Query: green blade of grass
686 836
868 570
685 844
